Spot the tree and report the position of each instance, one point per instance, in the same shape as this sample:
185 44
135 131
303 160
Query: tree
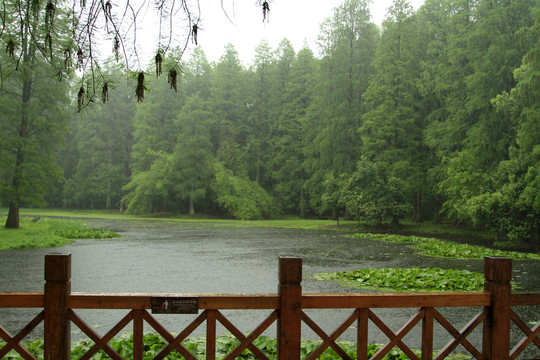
511 207
198 75
348 43
151 190
373 194
435 88
260 110
32 131
240 197
155 135
470 63
229 94
34 116
391 132
104 139
287 158
192 159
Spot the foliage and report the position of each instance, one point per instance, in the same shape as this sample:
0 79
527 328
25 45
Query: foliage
155 133
391 130
153 343
295 87
433 116
512 206
95 24
441 248
372 195
242 198
103 135
151 186
408 279
332 146
33 125
192 158
48 232
464 181
330 198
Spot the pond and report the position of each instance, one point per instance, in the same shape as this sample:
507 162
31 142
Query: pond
180 257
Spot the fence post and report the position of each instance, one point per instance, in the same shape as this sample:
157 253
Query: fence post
289 323
57 330
496 337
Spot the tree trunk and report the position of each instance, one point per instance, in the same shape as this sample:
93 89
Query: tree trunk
417 215
191 207
108 197
438 207
12 221
258 170
302 205
335 215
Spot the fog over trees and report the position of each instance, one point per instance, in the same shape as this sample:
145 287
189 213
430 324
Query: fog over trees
433 116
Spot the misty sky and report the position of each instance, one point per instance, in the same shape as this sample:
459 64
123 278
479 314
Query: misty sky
240 22
296 20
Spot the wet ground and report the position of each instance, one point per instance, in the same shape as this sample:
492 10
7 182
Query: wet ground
174 257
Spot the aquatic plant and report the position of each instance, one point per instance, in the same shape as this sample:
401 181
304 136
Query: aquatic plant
408 279
446 249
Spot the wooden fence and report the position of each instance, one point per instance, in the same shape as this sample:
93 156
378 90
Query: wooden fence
286 308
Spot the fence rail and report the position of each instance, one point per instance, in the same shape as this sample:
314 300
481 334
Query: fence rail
286 307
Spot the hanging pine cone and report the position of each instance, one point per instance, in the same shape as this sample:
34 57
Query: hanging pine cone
48 44
266 10
80 58
159 61
67 58
105 93
10 48
139 91
195 30
116 47
172 76
80 98
49 15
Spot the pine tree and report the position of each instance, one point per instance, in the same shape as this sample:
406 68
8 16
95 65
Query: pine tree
34 117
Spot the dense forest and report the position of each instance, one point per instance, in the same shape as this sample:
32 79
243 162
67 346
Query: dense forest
433 116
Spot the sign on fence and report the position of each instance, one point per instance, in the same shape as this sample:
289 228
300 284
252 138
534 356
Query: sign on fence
175 305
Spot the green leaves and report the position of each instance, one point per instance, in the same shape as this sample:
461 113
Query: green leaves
242 198
408 279
372 194
441 248
153 343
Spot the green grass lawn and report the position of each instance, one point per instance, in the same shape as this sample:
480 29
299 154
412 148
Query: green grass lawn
47 232
41 233
285 222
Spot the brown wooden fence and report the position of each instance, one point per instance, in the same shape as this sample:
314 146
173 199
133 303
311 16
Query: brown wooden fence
286 308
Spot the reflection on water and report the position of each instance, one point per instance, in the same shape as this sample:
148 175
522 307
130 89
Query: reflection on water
172 257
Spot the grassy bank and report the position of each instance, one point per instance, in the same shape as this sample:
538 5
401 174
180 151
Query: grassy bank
406 227
285 222
425 229
42 232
